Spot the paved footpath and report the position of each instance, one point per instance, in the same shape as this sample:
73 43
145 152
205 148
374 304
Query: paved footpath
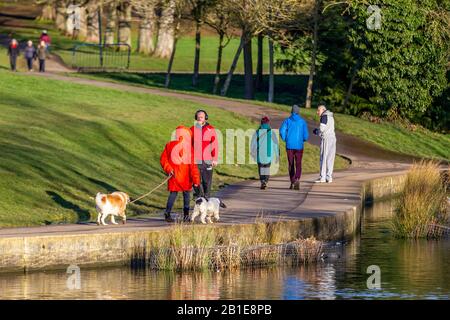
245 200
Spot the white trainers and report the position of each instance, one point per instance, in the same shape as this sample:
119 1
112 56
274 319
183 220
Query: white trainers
320 181
330 181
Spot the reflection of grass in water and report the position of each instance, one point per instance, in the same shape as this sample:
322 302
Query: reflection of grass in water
422 201
188 247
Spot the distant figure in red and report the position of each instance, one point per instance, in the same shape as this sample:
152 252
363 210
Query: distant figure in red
177 159
13 53
46 38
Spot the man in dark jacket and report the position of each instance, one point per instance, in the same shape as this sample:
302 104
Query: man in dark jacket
294 131
205 151
13 53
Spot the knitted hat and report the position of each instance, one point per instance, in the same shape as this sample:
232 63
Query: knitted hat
295 109
265 119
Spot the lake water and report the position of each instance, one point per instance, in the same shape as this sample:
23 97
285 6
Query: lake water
408 270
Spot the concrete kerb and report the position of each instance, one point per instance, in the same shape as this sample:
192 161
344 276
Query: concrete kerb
20 254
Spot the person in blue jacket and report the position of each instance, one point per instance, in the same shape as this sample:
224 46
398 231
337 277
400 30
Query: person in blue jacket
294 131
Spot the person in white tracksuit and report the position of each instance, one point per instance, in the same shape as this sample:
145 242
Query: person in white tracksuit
327 145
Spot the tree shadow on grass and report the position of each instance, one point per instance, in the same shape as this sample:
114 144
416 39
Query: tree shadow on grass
83 215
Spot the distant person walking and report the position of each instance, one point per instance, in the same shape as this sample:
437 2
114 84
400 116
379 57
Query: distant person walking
206 151
30 54
13 53
294 131
327 145
264 148
42 54
46 38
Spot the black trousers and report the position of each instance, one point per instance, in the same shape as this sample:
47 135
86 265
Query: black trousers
173 197
30 63
41 65
13 62
206 173
264 172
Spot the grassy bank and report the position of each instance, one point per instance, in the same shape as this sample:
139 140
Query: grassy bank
395 137
62 143
289 88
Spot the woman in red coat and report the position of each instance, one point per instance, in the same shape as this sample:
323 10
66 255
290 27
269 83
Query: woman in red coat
177 160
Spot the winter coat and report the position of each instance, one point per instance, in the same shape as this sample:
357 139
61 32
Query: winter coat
13 51
45 38
294 131
205 143
30 52
264 145
326 129
41 53
178 158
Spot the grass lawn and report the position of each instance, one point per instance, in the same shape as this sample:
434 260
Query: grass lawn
4 59
421 142
62 143
289 89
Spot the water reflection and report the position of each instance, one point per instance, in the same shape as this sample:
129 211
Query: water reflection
409 269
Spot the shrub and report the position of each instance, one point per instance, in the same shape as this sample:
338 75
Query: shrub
422 202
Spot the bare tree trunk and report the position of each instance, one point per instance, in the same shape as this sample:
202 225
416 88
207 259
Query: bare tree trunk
124 32
81 33
111 23
219 63
352 81
198 27
271 73
312 69
93 34
146 27
169 67
75 20
60 15
249 88
226 85
164 46
172 54
48 12
259 67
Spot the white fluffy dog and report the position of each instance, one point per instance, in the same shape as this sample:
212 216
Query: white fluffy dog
206 209
113 204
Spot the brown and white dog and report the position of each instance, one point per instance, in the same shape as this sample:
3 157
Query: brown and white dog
113 204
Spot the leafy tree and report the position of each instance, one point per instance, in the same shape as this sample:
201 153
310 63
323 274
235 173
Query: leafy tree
404 62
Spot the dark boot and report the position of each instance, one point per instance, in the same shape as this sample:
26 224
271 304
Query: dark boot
263 185
297 185
167 217
186 214
291 186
